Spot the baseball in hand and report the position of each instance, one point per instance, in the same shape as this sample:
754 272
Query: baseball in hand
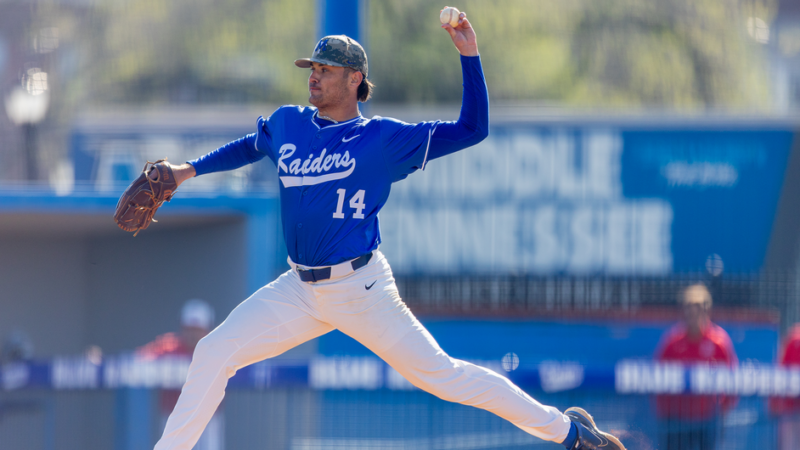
449 15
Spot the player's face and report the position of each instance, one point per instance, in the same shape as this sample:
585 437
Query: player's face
327 86
696 314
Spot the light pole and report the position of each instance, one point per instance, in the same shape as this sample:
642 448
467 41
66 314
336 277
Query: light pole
26 106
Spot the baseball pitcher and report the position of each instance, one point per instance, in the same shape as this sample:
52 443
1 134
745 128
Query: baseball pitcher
336 169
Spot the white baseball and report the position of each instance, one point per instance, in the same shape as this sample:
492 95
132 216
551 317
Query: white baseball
449 15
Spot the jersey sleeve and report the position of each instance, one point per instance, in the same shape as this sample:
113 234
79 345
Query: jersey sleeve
243 151
230 156
405 146
266 129
472 125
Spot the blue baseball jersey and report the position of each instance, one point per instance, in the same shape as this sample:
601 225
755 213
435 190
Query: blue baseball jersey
335 179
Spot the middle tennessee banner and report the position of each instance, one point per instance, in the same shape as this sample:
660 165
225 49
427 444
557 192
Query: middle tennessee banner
370 373
591 200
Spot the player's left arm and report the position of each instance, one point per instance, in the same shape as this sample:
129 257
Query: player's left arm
233 155
230 156
472 125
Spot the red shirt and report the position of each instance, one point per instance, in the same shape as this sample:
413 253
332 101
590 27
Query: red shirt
789 356
168 344
713 346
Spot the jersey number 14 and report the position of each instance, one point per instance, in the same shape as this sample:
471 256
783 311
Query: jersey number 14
357 203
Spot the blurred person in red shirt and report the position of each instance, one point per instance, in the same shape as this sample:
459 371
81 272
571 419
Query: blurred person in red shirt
788 409
197 320
692 422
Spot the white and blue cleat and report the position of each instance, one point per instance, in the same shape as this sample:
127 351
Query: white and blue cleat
589 436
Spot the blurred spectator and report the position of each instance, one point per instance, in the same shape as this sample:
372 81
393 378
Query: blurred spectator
693 422
788 409
197 320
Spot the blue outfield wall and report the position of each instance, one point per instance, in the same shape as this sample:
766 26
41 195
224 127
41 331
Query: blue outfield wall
592 199
723 187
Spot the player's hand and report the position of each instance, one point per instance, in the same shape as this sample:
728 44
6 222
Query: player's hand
181 172
463 36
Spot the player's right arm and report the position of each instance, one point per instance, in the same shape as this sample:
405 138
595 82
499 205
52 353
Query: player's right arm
409 147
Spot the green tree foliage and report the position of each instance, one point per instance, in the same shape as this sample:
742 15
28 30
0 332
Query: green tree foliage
666 54
198 51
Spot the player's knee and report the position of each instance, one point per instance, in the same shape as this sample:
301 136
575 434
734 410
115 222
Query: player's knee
445 394
201 350
208 347
443 390
441 381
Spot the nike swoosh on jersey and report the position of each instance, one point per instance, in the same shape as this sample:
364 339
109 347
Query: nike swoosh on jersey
310 181
370 286
348 140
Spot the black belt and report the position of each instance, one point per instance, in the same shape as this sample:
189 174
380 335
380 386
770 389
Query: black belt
325 272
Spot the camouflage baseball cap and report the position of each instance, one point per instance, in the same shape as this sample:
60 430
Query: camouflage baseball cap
340 51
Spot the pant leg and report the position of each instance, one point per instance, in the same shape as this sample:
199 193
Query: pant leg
422 362
273 320
380 320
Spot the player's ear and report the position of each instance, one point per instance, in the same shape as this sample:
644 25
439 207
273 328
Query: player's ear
355 78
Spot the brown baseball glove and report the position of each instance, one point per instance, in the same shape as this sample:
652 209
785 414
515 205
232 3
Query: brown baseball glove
139 203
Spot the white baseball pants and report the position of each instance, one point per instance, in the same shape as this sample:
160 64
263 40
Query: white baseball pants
288 312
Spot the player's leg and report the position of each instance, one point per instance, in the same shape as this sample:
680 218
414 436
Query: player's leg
273 320
421 361
381 321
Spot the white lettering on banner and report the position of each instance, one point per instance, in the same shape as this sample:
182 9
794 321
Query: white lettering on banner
262 374
523 201
643 377
615 238
646 377
745 380
609 237
558 376
526 165
345 373
166 373
438 240
74 373
322 163
686 174
14 376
